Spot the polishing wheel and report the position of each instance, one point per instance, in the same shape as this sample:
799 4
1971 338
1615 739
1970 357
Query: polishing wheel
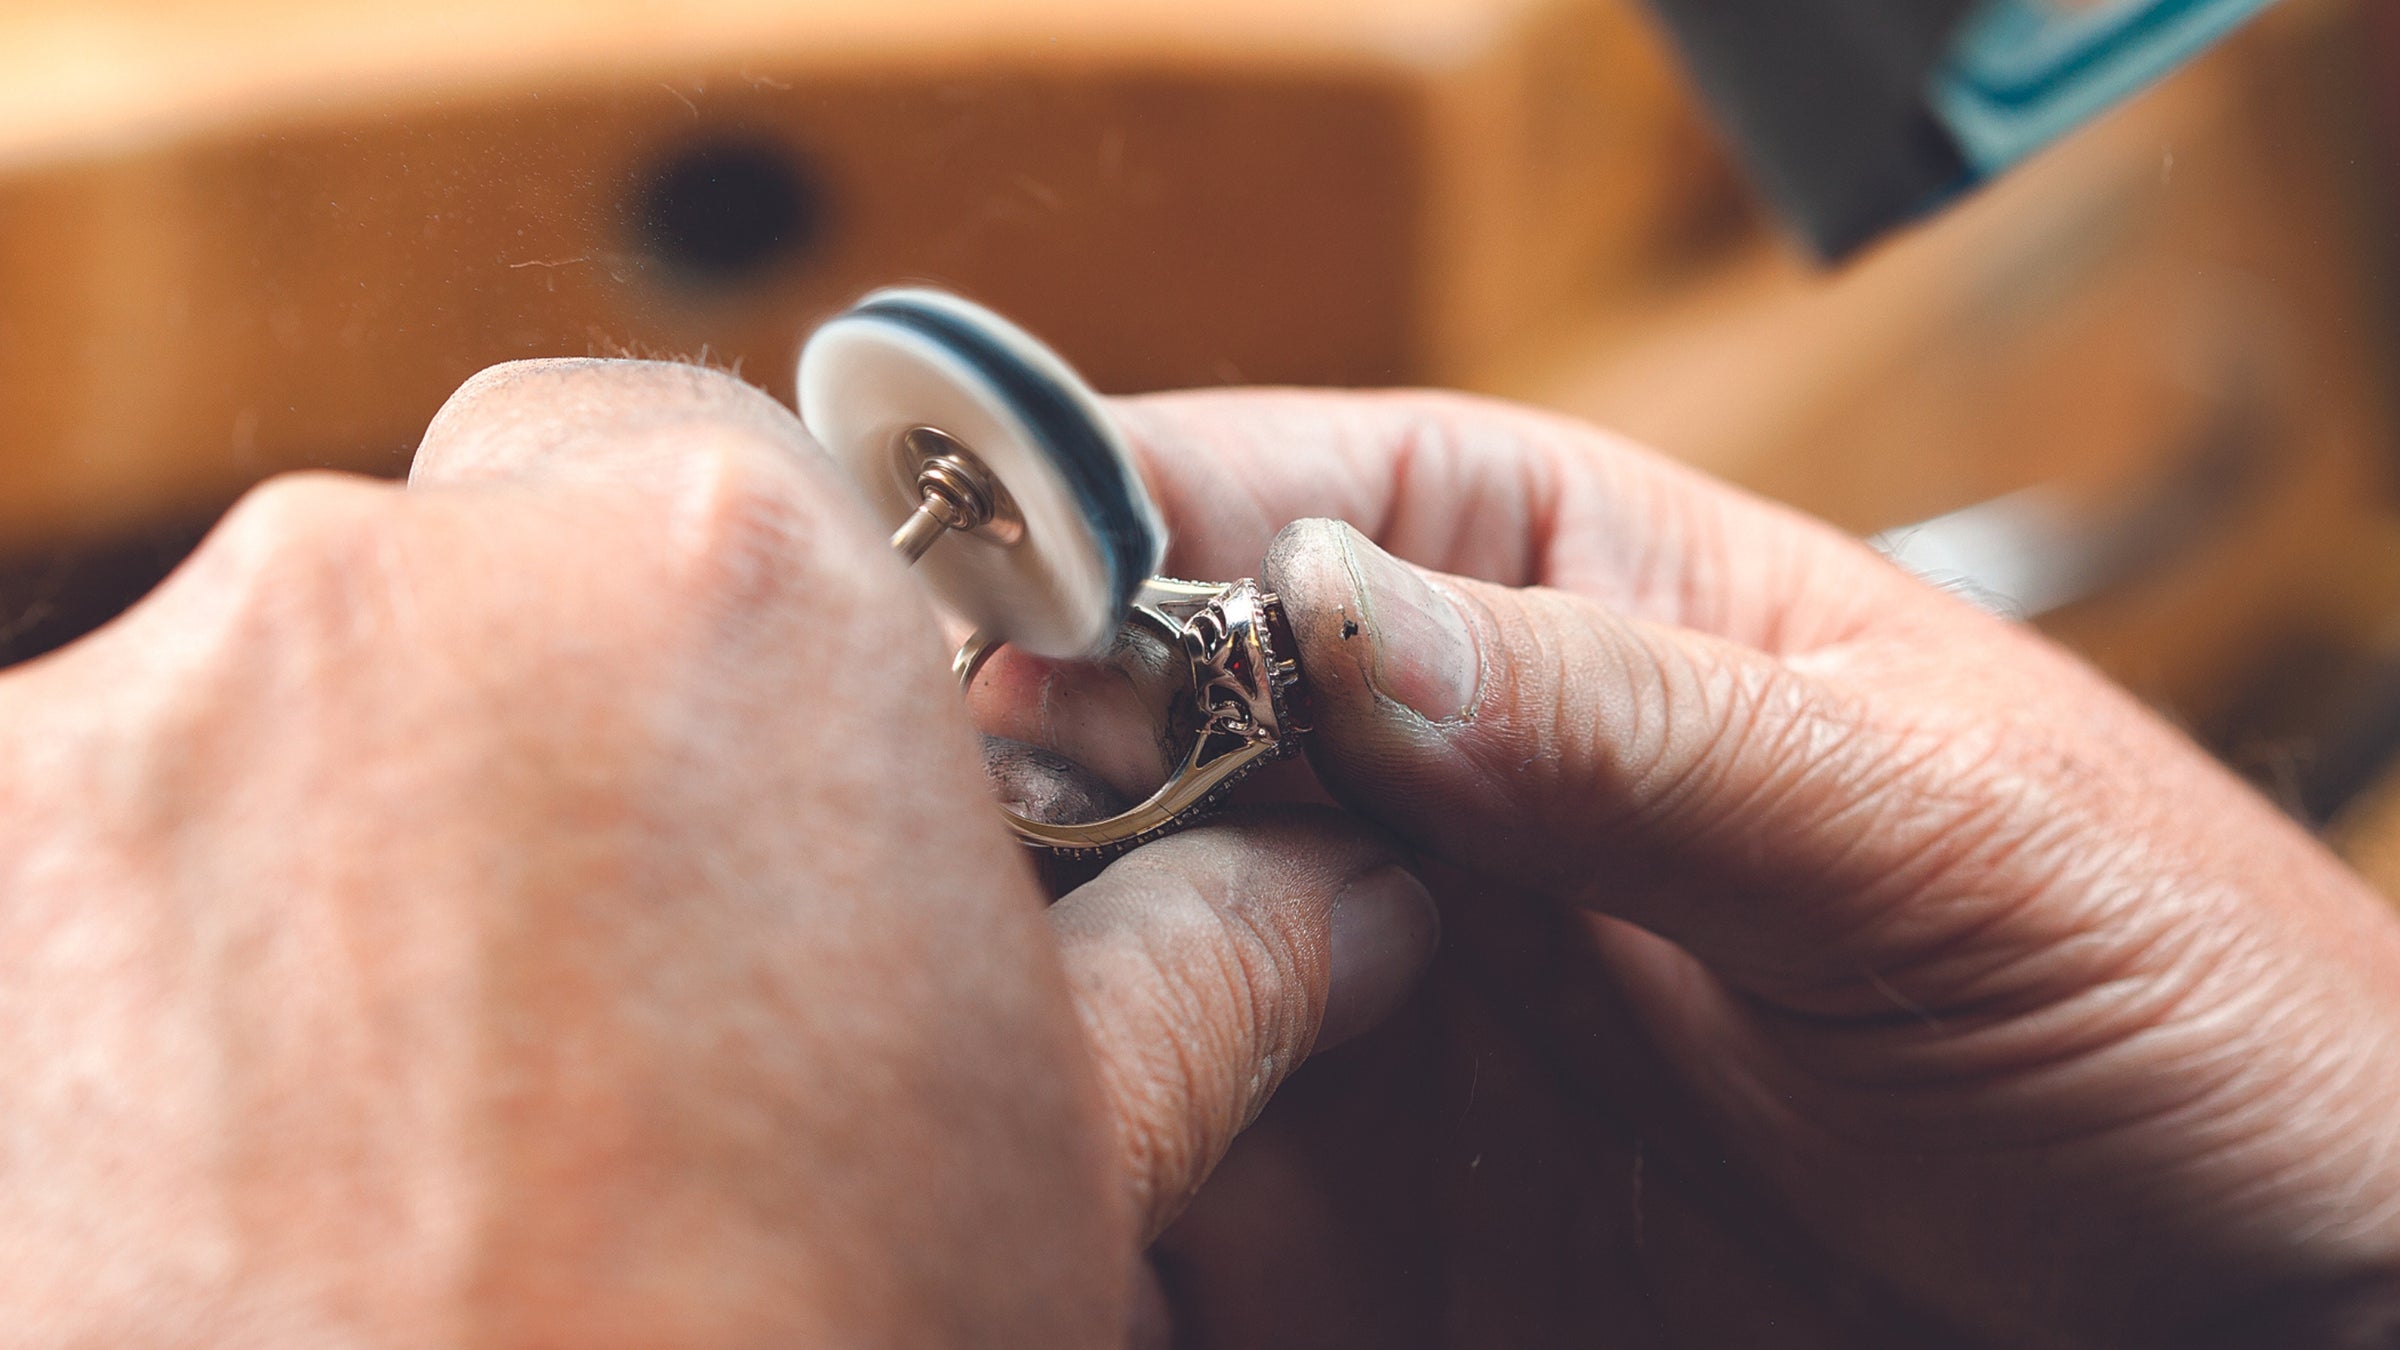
916 389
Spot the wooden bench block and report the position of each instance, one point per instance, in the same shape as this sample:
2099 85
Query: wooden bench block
247 236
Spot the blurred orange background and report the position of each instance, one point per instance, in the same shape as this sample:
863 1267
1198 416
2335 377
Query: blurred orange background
239 236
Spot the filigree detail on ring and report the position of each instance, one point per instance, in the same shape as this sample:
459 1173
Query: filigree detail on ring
1246 691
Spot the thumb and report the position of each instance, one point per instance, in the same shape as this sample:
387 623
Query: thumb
1705 790
1206 966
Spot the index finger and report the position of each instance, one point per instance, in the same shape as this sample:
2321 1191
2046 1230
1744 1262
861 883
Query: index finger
1500 493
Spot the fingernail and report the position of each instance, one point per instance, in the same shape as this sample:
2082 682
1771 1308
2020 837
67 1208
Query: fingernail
1424 654
1384 931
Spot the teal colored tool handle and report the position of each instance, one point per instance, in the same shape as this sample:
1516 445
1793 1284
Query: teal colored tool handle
1855 116
2022 73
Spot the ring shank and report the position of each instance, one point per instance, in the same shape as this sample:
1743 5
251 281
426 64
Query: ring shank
1206 775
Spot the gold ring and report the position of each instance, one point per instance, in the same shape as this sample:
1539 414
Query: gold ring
1247 692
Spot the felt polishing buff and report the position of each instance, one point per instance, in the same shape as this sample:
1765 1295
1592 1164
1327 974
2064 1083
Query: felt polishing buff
906 375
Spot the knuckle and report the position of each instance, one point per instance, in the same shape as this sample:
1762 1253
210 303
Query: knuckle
745 530
521 412
1165 1149
496 382
299 523
294 572
1197 1052
461 440
1710 734
737 519
542 382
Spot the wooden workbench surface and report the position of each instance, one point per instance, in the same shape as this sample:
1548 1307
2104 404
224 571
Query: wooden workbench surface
78 76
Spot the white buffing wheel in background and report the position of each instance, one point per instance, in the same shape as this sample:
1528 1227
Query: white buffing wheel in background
1058 579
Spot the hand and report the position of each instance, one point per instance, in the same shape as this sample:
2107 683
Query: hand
1827 963
559 903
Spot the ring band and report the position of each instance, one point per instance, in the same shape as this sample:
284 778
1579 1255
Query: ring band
1245 681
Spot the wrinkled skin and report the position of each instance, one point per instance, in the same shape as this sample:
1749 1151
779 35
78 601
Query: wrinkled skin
1825 962
559 903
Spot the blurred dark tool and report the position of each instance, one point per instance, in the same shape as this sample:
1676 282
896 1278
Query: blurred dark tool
1858 115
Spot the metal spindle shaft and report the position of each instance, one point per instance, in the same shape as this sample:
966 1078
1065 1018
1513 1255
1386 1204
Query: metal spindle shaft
919 531
955 493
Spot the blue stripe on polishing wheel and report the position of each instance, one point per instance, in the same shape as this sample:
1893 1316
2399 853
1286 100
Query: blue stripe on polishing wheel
1103 483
